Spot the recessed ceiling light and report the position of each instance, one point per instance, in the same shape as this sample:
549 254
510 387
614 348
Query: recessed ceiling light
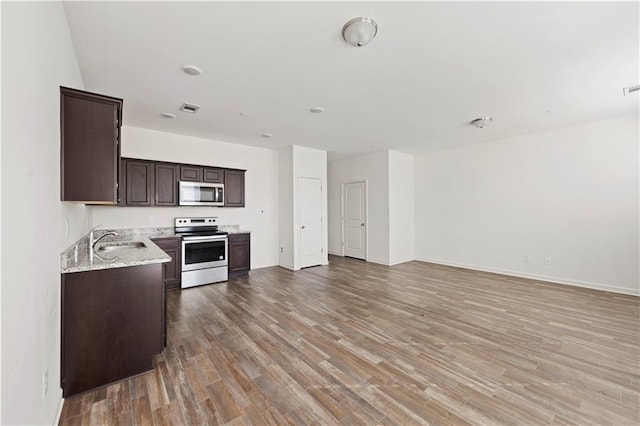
266 135
244 115
168 115
316 110
191 70
482 122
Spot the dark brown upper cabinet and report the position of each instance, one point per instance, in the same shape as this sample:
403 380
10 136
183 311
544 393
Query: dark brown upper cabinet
212 175
191 173
201 174
139 177
147 183
89 146
166 184
234 188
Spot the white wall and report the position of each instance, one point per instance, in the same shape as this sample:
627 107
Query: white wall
569 194
37 57
286 226
374 169
260 214
401 208
297 162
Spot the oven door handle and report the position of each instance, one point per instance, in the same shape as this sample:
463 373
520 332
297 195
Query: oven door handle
205 238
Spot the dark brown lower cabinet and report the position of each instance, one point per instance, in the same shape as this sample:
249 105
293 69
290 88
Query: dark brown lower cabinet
112 325
239 255
172 270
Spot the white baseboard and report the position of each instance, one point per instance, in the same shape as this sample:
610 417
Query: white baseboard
546 278
399 261
289 267
378 261
59 412
263 267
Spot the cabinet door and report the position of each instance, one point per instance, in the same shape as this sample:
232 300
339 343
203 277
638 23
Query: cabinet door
191 174
173 269
213 175
90 149
112 325
139 177
234 188
239 254
166 184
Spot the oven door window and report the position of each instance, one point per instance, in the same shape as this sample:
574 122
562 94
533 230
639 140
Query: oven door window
204 252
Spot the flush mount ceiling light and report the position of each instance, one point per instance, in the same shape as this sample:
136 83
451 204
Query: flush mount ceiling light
191 70
168 115
316 110
482 122
359 31
630 89
266 135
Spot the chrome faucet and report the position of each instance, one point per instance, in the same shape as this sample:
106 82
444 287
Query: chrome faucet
94 242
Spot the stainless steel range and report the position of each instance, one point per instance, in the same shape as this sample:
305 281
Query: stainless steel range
204 251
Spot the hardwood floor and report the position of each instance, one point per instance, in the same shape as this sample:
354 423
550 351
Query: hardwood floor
360 343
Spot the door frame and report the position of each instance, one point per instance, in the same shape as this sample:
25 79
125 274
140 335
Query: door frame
366 215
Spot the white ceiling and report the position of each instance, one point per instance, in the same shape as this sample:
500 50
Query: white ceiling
433 67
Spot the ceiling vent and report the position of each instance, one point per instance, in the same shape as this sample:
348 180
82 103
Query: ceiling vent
630 89
189 108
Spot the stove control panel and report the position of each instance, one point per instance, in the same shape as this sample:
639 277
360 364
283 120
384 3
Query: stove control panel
195 221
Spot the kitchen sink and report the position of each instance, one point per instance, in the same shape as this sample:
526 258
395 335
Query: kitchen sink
121 245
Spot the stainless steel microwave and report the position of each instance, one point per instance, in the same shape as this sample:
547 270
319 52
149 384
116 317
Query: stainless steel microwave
201 194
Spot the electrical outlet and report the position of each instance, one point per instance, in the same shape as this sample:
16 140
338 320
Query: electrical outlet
151 219
66 228
525 258
45 384
547 260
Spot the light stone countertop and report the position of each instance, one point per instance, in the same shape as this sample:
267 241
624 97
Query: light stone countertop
233 229
78 258
164 232
133 233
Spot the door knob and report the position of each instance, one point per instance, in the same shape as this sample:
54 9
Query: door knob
362 224
302 226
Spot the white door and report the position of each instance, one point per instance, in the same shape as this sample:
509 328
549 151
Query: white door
310 209
355 226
